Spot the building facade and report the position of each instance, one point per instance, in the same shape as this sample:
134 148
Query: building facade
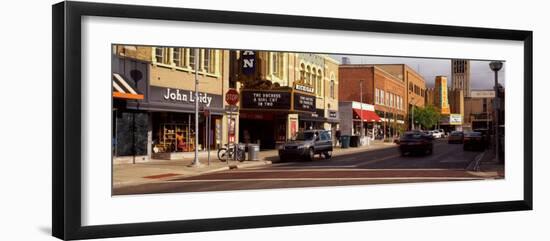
373 85
283 93
478 110
154 101
460 69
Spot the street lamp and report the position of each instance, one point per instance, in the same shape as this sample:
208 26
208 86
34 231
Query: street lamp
496 66
196 162
361 118
412 112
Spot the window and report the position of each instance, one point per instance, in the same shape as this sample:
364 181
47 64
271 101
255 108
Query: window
209 60
319 83
376 96
192 58
308 75
382 97
391 100
302 73
411 87
159 55
177 54
277 64
332 85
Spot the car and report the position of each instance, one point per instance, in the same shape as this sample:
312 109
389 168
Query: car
456 137
486 136
473 141
415 142
307 144
436 134
443 133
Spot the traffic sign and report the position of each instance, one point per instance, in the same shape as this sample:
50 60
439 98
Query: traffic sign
232 97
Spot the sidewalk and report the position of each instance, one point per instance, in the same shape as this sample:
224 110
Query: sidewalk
486 165
128 174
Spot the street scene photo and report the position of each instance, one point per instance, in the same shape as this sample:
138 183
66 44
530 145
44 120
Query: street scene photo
188 119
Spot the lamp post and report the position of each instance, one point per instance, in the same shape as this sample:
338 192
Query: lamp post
196 162
496 66
361 118
412 112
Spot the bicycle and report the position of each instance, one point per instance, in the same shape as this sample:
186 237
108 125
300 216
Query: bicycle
225 153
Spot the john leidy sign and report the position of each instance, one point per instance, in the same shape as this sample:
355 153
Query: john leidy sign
185 97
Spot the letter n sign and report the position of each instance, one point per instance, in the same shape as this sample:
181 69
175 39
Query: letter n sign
248 63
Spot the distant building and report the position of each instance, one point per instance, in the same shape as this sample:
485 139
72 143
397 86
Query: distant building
440 95
461 75
478 110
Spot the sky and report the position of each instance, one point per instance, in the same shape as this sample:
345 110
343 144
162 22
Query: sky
481 76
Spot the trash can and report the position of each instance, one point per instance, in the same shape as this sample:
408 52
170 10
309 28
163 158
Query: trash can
354 141
253 150
344 141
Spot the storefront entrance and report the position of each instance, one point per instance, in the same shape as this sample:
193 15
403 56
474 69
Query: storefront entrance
266 129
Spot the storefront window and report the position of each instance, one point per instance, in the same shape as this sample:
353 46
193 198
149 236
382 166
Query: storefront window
131 133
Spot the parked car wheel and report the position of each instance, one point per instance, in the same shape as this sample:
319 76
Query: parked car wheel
327 154
311 154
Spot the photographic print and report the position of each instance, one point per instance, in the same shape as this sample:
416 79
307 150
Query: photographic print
171 120
190 119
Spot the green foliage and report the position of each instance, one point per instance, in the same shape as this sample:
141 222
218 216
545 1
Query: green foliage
427 117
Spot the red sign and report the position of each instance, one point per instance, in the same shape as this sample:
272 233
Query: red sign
232 97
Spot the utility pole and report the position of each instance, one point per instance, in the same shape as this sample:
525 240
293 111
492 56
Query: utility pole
196 162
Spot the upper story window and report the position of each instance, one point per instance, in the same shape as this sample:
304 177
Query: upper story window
160 55
177 56
192 58
302 73
208 62
319 87
277 61
332 87
308 75
381 97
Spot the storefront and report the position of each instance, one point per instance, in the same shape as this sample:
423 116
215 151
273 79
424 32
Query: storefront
159 122
271 117
355 117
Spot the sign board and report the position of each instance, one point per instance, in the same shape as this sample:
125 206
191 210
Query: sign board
455 119
262 99
248 62
232 108
184 97
304 102
304 88
482 94
232 97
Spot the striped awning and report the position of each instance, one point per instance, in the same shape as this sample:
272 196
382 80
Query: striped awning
122 90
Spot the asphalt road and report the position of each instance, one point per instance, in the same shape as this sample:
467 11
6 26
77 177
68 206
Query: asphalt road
447 163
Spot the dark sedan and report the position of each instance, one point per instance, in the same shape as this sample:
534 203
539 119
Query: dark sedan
473 141
456 137
415 142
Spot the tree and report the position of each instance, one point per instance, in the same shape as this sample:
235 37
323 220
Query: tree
427 117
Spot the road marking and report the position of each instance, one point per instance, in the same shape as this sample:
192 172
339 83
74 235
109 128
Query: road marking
321 169
376 160
326 179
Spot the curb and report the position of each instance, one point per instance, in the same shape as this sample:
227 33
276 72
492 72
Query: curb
474 165
228 167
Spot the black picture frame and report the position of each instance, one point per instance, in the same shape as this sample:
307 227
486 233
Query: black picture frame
66 138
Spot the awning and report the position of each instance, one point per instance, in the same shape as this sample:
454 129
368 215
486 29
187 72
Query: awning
367 115
122 90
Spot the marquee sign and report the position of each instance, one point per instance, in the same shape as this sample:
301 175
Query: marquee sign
304 88
304 102
261 99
